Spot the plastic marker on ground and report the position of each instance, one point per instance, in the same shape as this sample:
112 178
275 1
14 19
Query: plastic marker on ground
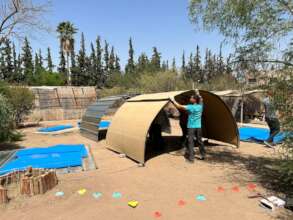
220 189
81 192
235 189
59 194
157 214
133 204
200 198
251 186
116 195
181 202
97 195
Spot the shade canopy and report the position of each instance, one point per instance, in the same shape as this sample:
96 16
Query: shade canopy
130 125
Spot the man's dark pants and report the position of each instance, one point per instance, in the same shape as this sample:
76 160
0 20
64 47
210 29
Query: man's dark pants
274 126
194 133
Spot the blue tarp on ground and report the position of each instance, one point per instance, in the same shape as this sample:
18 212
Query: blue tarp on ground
54 157
55 128
104 124
258 135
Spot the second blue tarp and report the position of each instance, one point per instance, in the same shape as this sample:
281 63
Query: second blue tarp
258 135
55 128
54 157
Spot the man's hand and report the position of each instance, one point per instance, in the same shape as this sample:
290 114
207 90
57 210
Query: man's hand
172 99
196 92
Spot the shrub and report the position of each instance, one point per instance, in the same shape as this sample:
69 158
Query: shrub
6 119
21 100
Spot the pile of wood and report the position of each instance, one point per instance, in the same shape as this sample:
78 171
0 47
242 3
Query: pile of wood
36 181
29 182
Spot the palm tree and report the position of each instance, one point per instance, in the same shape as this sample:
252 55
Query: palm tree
66 31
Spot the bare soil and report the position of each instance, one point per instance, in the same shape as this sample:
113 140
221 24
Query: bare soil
158 187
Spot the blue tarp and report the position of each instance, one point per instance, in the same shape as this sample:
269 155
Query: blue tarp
259 135
54 157
55 128
104 124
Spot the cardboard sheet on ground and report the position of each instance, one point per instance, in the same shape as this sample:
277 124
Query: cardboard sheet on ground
252 134
54 157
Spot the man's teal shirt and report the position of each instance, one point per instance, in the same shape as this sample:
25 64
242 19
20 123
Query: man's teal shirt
194 115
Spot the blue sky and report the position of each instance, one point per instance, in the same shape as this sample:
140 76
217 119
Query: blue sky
161 23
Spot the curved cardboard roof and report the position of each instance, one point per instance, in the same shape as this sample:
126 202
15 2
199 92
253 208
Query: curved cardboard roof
130 125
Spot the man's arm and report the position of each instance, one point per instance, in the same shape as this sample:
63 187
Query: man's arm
177 105
200 98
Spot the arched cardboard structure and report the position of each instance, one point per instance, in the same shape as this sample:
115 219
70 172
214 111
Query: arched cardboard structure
130 125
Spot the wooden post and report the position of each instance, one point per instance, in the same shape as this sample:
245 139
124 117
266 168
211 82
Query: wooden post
3 195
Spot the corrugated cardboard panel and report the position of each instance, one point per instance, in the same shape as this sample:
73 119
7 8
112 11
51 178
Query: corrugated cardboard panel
129 128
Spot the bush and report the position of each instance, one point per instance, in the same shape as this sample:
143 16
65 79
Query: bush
21 100
283 100
6 120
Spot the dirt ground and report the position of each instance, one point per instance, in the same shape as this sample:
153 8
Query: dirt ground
158 187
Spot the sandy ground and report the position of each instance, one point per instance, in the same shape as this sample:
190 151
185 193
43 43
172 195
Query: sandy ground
157 187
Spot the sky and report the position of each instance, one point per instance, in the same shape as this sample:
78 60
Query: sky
161 23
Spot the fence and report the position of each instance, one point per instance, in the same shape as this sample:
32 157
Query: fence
61 103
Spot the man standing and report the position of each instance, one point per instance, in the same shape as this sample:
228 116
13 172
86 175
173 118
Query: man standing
271 119
194 111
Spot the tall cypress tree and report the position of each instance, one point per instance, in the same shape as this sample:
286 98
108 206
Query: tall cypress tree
82 78
99 78
106 58
174 69
16 70
93 66
62 66
190 68
112 60
130 66
156 60
117 64
50 65
183 66
8 70
2 65
220 63
142 63
27 62
197 66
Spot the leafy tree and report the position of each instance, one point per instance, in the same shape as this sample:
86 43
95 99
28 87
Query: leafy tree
27 61
130 66
50 64
255 26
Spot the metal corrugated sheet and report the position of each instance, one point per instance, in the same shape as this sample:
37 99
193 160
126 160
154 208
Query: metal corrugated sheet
105 106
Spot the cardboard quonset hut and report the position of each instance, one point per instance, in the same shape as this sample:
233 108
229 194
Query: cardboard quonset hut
130 125
89 125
